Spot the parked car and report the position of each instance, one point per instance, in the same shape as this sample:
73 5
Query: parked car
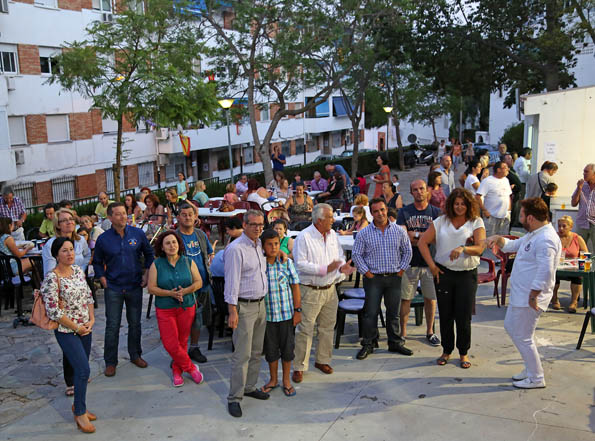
324 158
492 151
349 153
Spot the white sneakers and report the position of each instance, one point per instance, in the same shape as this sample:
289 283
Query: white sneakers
520 376
527 383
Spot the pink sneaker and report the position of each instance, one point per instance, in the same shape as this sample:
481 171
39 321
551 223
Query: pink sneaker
197 377
177 377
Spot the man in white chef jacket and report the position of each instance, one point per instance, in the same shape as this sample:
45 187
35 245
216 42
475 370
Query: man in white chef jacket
531 285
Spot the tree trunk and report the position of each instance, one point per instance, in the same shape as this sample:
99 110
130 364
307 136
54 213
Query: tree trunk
434 129
260 148
355 157
399 144
118 165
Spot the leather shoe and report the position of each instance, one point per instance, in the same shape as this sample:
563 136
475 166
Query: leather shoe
364 352
327 369
258 394
234 409
297 376
90 416
110 371
140 363
401 349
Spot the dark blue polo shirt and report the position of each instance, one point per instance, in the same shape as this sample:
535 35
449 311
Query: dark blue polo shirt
122 257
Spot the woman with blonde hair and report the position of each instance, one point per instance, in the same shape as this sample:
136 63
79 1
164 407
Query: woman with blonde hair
572 245
200 196
94 232
361 200
231 195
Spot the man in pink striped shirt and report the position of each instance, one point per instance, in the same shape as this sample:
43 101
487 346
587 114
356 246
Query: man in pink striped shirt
584 197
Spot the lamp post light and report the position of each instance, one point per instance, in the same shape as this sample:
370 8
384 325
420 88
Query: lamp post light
388 110
226 104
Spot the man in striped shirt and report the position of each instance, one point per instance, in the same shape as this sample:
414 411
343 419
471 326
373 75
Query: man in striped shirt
382 252
284 312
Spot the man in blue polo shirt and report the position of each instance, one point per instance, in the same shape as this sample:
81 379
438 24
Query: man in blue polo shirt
118 265
200 250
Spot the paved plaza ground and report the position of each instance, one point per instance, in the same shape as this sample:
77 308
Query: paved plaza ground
387 396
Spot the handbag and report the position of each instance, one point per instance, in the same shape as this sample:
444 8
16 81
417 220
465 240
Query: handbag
39 315
226 207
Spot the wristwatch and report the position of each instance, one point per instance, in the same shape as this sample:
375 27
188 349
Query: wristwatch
417 234
297 309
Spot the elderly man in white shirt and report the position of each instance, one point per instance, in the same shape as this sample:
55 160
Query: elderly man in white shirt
493 197
531 285
320 263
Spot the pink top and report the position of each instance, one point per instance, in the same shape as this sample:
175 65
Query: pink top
574 248
438 198
232 198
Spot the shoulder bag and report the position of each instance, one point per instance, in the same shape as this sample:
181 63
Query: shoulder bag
39 315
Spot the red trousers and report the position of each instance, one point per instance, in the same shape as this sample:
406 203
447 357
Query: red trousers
174 328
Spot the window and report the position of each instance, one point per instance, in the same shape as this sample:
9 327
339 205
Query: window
146 177
46 3
248 154
24 192
57 128
137 6
299 146
8 59
4 6
109 179
47 61
264 112
286 148
63 188
297 107
102 5
177 163
16 130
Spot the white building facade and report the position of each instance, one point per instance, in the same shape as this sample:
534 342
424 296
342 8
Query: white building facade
53 146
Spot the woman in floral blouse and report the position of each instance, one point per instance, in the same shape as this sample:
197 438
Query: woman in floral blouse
68 301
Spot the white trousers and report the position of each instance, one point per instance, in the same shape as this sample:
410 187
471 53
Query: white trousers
520 323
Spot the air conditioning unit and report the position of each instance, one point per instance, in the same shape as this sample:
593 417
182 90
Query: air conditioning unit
4 6
19 157
10 83
107 17
162 133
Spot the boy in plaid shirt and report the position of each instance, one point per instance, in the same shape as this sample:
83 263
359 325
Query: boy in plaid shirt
283 307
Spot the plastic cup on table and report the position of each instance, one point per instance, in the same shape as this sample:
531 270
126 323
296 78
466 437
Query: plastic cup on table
581 264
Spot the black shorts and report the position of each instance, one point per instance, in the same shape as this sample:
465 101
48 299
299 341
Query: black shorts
279 341
574 280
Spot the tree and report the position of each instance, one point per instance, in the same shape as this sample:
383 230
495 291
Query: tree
586 23
279 49
140 66
428 105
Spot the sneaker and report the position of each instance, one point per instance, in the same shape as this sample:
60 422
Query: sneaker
177 379
196 355
520 376
433 339
527 383
197 377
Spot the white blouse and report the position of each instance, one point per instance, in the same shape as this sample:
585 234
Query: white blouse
448 238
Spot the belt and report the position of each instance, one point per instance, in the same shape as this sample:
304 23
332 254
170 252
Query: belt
250 300
386 274
319 288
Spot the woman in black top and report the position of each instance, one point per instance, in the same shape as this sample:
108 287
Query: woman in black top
392 198
335 189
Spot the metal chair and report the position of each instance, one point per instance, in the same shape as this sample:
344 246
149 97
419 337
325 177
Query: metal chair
588 315
17 282
506 260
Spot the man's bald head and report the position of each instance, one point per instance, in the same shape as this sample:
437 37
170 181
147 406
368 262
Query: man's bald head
419 191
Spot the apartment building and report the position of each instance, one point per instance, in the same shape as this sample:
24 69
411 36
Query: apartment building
54 146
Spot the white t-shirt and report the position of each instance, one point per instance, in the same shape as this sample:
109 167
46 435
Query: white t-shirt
469 183
366 209
448 238
496 196
255 197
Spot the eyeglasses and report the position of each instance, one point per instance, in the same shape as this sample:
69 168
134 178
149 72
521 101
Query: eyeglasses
66 220
255 225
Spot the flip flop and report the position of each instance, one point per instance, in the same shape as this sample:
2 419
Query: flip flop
465 364
267 389
69 391
289 391
442 361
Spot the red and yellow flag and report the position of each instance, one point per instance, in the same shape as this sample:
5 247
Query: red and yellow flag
185 141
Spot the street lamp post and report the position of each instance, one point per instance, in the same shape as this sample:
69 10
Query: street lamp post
226 104
388 110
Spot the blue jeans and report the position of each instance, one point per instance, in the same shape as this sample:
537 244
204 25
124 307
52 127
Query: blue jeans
114 301
77 350
390 288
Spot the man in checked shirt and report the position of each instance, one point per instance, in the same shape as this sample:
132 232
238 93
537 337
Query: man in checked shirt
382 251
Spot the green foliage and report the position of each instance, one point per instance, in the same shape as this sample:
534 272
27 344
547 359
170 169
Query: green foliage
513 137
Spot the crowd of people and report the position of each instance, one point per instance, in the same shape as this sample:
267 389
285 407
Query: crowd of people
278 289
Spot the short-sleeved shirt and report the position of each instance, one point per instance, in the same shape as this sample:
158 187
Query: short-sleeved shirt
417 220
279 299
15 211
100 210
277 164
448 238
496 195
471 179
170 277
201 197
194 252
339 168
47 227
218 265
